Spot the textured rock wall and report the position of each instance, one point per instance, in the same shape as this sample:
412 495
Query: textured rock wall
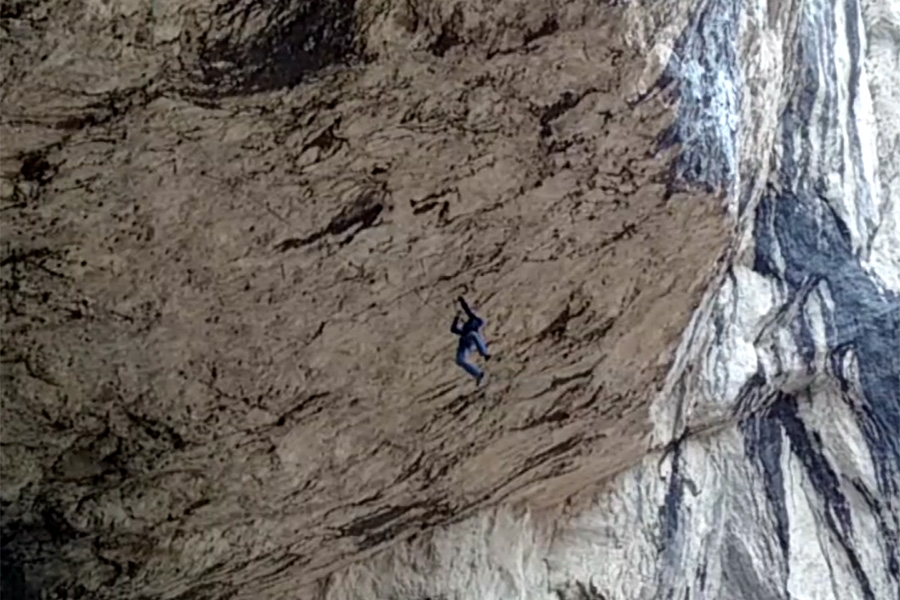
227 365
230 258
778 476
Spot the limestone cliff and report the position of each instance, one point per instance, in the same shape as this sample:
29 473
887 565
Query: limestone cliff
233 233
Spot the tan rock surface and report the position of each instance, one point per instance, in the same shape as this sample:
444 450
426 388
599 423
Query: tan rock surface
227 364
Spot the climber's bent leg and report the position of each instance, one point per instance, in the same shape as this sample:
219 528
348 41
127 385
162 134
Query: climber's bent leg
468 367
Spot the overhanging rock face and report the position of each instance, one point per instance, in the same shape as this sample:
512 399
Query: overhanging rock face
227 362
778 470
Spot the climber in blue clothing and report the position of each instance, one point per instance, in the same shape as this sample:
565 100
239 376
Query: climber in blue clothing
469 337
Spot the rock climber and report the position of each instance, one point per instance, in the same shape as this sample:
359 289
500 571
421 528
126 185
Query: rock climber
469 337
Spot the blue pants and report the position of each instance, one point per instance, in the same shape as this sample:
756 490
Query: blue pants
466 343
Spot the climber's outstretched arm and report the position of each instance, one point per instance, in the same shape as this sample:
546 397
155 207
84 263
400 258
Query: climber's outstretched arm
466 308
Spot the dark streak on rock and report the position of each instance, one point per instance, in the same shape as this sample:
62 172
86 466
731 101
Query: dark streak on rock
307 401
317 333
14 9
579 591
359 215
554 416
35 167
209 591
852 20
548 27
889 535
13 580
326 139
701 573
600 331
807 446
552 452
195 506
431 201
298 40
157 429
866 318
762 443
449 35
561 381
386 524
557 328
628 230
801 239
20 256
376 520
567 101
704 66
751 396
670 510
461 403
424 208
112 107
741 577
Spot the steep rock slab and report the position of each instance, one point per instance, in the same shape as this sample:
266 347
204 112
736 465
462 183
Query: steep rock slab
778 470
226 362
